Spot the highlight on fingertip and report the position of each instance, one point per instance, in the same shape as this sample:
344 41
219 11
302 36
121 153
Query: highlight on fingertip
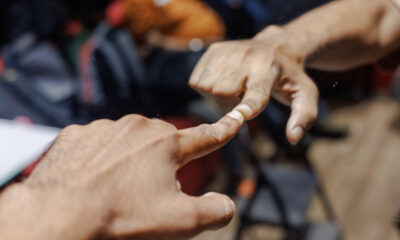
229 206
297 134
178 185
236 115
244 109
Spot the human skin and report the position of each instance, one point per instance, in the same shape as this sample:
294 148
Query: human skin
337 36
117 180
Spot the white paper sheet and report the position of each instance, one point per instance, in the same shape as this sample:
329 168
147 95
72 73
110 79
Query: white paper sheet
21 145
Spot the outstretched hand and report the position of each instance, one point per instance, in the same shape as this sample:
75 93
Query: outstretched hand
118 180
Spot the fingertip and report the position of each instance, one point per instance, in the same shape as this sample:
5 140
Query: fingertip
245 110
236 115
230 208
220 208
294 135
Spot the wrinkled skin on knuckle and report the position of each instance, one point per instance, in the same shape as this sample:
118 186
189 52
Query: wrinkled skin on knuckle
214 135
133 121
70 131
224 91
166 142
271 31
193 81
225 126
100 123
252 103
230 84
165 126
214 46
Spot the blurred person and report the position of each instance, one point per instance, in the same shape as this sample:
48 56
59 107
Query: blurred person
337 36
117 180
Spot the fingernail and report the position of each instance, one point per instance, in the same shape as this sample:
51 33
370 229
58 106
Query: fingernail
244 109
297 133
229 206
236 115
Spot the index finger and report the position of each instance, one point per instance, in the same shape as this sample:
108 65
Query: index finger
201 140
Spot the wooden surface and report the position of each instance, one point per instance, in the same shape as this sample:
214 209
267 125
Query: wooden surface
361 175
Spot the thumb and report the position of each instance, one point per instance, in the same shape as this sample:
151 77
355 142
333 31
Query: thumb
212 211
304 108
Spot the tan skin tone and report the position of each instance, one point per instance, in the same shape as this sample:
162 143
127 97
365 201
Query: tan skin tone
118 179
343 34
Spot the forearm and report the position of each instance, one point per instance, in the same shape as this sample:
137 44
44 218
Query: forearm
29 214
344 34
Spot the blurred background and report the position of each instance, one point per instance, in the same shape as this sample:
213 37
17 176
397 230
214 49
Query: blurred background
74 61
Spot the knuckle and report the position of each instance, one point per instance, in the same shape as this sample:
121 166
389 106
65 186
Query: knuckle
213 133
273 29
192 82
176 136
226 127
205 86
215 46
223 91
164 125
252 103
172 137
248 50
70 129
133 119
258 88
101 122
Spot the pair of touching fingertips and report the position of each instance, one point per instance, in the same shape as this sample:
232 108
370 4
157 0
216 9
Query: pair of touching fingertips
201 140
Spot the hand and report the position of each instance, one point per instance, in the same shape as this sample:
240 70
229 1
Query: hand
122 175
248 72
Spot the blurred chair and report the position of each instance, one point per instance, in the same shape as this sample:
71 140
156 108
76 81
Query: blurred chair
281 197
278 194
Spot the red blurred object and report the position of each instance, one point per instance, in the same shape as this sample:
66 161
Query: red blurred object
116 14
385 70
247 188
196 174
383 79
23 119
27 171
74 28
